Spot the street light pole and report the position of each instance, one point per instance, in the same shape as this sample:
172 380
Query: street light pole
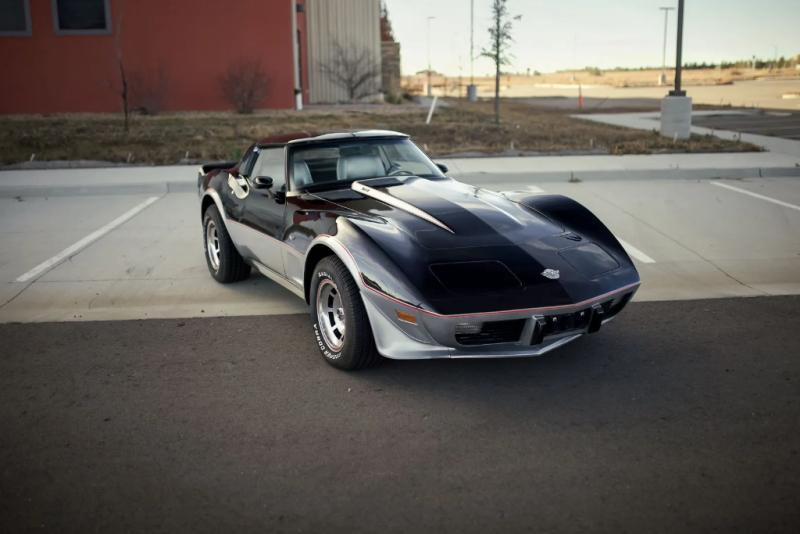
472 91
679 54
430 91
676 107
663 79
472 42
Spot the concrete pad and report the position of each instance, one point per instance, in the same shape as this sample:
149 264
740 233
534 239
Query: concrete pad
96 300
706 241
774 276
35 229
712 222
164 242
780 188
151 266
688 280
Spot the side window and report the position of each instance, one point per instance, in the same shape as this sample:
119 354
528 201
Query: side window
271 163
246 164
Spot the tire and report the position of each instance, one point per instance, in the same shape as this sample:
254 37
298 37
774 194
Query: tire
333 288
224 262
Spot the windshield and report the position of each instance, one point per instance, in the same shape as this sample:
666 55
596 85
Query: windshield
331 165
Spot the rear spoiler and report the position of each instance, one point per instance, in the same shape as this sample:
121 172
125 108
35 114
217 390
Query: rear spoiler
208 167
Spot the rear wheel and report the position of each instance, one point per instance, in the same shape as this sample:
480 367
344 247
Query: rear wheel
224 262
341 324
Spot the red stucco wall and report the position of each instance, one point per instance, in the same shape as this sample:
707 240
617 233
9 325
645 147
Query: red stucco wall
192 42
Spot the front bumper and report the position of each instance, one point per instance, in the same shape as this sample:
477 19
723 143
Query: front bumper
532 332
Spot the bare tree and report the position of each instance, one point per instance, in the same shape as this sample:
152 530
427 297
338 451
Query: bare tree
353 69
245 85
123 87
499 44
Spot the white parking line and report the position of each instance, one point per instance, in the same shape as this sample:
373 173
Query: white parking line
635 252
756 195
83 243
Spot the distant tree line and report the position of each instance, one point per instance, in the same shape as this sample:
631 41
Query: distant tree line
758 63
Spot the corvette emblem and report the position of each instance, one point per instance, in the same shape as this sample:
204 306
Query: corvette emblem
552 274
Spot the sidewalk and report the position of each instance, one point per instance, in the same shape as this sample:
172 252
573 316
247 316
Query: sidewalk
183 178
691 166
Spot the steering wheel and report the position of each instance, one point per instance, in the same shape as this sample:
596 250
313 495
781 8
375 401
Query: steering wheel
395 170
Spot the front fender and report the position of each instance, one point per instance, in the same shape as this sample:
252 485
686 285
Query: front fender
369 266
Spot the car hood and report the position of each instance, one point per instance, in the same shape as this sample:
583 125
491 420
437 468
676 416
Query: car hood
474 216
470 249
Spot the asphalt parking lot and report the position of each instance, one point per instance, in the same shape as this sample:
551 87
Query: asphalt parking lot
785 124
205 407
677 417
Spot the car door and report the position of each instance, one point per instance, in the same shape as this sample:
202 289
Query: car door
265 204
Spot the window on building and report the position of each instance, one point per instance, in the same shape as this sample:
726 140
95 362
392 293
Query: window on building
81 16
15 17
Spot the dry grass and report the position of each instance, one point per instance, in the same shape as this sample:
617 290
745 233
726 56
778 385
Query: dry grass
632 78
457 128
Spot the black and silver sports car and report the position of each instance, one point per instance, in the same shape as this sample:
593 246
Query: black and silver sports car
395 259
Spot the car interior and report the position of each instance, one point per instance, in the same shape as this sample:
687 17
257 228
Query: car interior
358 161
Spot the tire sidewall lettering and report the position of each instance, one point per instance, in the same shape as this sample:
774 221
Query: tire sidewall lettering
323 348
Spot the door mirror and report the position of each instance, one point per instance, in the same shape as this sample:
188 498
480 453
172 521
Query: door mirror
442 167
262 182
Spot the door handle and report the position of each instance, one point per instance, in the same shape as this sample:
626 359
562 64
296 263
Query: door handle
239 186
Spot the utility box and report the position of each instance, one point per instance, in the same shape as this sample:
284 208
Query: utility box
472 93
676 117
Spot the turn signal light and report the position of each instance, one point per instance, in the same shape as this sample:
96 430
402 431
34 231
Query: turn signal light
406 317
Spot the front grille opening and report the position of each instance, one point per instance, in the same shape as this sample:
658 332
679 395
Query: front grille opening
616 308
494 332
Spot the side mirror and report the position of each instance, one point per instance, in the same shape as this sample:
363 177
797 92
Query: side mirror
262 182
442 167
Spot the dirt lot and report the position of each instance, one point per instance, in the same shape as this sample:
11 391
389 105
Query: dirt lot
611 78
457 128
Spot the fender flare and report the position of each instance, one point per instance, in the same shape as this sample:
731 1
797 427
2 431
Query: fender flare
366 262
214 196
337 249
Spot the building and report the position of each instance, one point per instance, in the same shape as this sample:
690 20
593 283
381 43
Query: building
343 35
390 59
170 55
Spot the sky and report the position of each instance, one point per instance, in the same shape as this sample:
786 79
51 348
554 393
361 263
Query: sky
561 34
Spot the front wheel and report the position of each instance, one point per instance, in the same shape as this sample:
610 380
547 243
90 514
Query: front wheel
341 324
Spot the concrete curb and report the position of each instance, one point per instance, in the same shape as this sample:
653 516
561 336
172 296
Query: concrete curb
635 174
97 190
